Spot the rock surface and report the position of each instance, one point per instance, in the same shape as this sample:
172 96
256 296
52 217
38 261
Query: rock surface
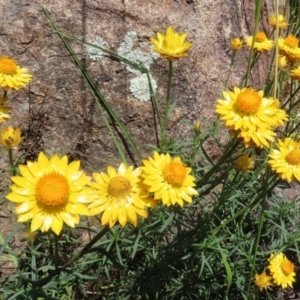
57 112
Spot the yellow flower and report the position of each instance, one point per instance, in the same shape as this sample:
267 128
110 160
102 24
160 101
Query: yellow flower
120 196
197 126
12 75
171 45
10 138
282 61
50 192
295 73
247 109
282 270
3 110
236 44
168 179
286 160
244 162
281 21
289 47
261 42
262 280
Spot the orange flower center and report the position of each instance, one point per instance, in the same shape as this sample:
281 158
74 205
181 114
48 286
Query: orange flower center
293 157
260 37
52 189
248 101
291 41
174 173
8 66
287 267
119 187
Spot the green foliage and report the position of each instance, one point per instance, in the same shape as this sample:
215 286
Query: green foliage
208 249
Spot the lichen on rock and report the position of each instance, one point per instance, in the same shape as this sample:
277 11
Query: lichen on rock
93 52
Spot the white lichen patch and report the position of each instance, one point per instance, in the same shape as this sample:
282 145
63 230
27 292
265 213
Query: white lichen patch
139 87
94 53
139 53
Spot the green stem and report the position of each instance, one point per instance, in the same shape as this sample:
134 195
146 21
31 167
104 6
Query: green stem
166 117
11 162
229 71
56 252
87 246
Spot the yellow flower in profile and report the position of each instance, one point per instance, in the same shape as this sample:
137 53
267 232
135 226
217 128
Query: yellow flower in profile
281 21
244 162
12 75
262 281
282 61
289 47
236 44
120 196
50 192
261 42
168 179
171 45
285 160
197 126
11 138
282 270
3 110
295 73
248 109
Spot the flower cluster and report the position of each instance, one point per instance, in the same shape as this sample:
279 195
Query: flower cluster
51 192
12 76
281 272
252 115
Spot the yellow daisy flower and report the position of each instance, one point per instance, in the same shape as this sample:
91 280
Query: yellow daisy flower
120 196
286 160
262 281
259 137
50 192
281 21
289 47
244 162
10 138
295 73
282 270
282 62
12 75
236 44
171 45
168 179
3 110
261 42
248 110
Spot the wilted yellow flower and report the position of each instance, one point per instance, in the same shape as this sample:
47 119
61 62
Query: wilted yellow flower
168 179
120 196
171 45
289 47
50 192
197 126
3 110
12 75
236 44
282 61
244 162
261 42
295 73
281 21
262 281
282 270
10 138
286 160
